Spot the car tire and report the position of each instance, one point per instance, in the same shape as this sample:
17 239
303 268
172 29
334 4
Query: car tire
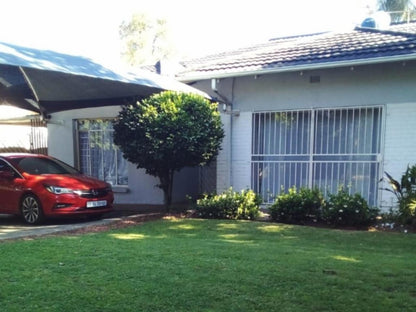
31 209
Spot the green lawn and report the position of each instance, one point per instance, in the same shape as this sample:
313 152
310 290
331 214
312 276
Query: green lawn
208 265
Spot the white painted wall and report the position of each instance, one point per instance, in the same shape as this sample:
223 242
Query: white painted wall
223 158
367 85
400 143
391 85
241 152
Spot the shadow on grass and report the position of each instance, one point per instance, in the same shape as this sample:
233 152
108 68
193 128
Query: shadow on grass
242 232
212 265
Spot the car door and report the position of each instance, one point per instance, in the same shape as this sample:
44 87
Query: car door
11 188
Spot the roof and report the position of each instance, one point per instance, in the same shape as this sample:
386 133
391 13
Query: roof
47 60
46 81
322 50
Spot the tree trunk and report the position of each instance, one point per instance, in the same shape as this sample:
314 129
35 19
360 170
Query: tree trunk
166 184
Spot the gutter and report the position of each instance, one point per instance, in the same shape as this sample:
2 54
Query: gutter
303 67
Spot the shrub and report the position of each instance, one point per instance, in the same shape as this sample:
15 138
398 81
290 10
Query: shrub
405 191
388 220
167 132
348 210
230 205
297 206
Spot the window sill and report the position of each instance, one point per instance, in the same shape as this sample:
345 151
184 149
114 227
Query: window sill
120 189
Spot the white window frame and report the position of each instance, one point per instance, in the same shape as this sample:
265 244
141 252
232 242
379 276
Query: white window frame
119 178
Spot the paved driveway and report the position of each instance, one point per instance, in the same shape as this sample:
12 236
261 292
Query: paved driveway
13 227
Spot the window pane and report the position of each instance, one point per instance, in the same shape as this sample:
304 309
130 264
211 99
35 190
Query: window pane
99 156
280 146
346 150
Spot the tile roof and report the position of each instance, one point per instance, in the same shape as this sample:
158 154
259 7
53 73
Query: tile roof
359 46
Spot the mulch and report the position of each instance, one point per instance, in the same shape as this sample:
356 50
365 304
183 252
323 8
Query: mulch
133 220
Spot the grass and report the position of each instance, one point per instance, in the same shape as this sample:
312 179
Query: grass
211 265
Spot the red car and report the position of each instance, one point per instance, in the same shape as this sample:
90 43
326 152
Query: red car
38 186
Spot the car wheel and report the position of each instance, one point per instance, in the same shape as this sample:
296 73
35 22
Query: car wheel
31 210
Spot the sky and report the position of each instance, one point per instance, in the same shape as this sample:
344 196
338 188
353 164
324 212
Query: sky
90 27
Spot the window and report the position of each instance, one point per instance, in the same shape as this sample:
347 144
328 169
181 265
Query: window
38 166
98 156
326 148
4 167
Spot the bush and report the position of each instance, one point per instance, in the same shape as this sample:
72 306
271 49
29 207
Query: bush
348 210
405 191
230 205
297 206
388 220
407 211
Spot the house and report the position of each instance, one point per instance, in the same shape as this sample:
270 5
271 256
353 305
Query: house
328 110
331 110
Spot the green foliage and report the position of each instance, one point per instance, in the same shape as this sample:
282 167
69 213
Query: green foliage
146 39
407 202
405 192
348 210
230 205
297 206
167 132
305 205
389 220
400 10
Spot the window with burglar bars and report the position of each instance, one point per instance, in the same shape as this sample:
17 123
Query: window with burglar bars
98 156
324 148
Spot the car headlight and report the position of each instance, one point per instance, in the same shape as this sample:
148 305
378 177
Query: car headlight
57 190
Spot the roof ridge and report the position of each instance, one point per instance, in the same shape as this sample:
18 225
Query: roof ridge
403 23
299 36
385 31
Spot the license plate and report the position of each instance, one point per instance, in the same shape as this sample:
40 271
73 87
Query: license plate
98 203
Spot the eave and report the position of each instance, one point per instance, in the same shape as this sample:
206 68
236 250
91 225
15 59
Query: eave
294 68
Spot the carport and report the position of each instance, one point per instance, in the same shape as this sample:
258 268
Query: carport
46 82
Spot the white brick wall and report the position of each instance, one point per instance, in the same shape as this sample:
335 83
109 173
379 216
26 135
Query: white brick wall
241 152
233 166
223 158
400 144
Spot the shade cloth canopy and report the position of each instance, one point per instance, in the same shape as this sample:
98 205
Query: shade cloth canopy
47 82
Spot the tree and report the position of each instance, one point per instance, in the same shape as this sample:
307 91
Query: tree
400 10
145 39
167 132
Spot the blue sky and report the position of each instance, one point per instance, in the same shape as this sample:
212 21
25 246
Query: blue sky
90 28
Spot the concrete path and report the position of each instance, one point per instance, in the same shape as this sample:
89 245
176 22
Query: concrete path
13 227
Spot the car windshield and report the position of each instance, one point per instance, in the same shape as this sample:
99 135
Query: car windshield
38 165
